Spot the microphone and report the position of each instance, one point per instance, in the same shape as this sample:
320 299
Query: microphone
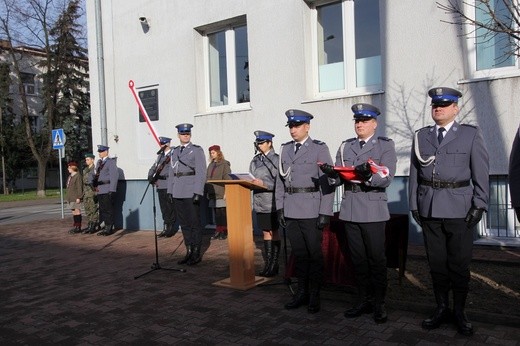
161 150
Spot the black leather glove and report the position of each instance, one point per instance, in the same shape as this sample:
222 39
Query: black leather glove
170 198
474 216
329 170
151 179
281 218
196 199
364 170
417 217
323 220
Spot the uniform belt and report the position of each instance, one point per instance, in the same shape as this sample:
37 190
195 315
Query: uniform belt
162 177
291 190
103 182
363 188
182 174
437 184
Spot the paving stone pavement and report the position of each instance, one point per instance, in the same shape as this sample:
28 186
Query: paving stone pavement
63 289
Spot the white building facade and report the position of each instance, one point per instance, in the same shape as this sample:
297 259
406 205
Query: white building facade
230 67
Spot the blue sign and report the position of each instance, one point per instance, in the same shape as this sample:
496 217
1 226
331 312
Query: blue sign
58 139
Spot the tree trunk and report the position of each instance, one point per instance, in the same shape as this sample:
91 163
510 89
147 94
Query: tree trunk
42 174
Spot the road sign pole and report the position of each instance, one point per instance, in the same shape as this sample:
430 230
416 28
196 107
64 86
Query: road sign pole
61 184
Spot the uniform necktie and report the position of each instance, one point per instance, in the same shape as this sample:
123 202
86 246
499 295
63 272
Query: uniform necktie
440 136
182 148
361 144
298 145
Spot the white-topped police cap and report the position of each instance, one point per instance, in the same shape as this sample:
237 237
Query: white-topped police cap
184 128
365 110
101 148
262 136
296 116
444 95
164 140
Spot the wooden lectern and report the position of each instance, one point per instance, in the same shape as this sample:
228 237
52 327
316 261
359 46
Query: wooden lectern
240 235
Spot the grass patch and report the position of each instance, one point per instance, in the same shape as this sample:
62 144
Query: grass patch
29 195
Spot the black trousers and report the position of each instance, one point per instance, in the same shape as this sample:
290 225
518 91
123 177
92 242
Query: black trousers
366 242
106 208
188 215
167 209
305 238
449 245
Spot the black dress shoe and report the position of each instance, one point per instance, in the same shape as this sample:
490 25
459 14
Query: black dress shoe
222 236
440 315
358 310
162 234
215 236
380 315
75 230
298 300
464 326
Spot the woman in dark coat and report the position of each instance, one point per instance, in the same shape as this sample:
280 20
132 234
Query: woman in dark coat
218 169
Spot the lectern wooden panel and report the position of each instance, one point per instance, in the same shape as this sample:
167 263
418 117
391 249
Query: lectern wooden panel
240 235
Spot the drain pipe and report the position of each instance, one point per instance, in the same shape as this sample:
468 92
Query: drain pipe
101 74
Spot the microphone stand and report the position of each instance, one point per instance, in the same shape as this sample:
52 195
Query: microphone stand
156 265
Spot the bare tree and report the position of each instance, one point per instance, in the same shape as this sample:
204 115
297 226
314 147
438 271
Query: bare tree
32 24
487 20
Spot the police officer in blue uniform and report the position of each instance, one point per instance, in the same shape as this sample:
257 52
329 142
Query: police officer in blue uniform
158 176
264 167
185 188
449 192
304 199
364 209
105 181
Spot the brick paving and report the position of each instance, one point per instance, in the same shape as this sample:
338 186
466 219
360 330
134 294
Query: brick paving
66 289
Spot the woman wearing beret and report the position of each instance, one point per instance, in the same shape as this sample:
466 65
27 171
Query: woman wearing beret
218 169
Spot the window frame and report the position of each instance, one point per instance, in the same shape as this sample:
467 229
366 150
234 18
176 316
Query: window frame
349 53
471 50
228 27
27 86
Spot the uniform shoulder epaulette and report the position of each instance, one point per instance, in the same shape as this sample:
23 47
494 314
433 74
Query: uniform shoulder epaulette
317 141
469 125
196 145
384 138
424 128
350 140
286 143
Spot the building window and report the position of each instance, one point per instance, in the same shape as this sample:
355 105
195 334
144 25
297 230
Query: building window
227 66
500 220
28 83
348 46
491 53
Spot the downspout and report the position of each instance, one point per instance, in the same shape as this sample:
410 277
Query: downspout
101 75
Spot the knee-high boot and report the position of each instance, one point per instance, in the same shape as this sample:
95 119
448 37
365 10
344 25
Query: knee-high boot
189 253
273 259
441 314
464 326
268 249
302 294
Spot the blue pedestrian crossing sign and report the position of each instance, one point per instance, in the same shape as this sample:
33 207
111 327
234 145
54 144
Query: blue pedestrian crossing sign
58 139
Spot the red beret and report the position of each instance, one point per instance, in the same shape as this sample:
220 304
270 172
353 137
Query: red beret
214 147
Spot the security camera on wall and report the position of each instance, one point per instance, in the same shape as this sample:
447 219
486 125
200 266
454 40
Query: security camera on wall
144 23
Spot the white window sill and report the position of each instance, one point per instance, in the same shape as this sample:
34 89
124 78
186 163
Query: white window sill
515 74
320 98
227 109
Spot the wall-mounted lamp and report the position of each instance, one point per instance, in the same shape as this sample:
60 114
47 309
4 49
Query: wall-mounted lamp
144 24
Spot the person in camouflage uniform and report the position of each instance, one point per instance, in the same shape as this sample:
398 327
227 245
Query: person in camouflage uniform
89 196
